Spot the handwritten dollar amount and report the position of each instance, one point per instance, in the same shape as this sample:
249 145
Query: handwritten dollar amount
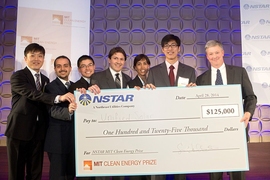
220 111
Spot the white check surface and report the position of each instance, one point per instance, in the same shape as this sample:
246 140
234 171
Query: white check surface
162 131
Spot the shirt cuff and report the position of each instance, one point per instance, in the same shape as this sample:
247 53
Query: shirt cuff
56 100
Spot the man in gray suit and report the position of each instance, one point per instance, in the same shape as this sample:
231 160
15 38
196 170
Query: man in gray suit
107 79
221 73
159 75
169 73
112 78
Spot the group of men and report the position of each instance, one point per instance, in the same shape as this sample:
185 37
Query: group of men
41 117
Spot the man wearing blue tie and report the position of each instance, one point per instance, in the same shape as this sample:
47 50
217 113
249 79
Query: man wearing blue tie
223 74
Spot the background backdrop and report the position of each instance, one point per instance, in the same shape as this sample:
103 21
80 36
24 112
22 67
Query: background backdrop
138 26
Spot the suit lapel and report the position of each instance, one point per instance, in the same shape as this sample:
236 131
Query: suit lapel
84 83
138 81
207 78
180 72
61 86
44 81
230 74
164 74
125 81
110 79
30 76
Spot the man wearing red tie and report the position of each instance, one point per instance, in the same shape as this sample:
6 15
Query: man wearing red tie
170 73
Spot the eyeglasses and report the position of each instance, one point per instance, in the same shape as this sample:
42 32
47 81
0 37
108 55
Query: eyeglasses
85 66
167 46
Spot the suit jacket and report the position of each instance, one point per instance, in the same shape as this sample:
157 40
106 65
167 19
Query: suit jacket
60 134
81 83
27 104
135 82
235 75
158 75
105 80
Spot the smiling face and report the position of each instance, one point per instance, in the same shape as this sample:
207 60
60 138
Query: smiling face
62 68
215 56
171 50
34 60
142 67
87 68
117 61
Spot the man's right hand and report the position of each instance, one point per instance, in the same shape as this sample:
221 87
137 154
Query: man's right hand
72 107
67 97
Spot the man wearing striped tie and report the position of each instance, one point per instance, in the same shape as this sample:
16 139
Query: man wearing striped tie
59 141
113 77
27 121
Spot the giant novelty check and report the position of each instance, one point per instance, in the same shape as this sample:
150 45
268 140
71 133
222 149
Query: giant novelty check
162 131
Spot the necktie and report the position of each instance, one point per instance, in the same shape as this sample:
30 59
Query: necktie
117 81
171 75
67 84
38 85
219 78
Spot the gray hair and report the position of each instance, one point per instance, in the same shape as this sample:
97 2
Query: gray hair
212 43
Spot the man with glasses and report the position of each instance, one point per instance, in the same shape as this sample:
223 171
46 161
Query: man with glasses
169 73
86 66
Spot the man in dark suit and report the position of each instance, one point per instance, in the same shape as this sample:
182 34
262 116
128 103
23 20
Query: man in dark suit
170 72
27 121
113 77
141 64
229 75
86 66
59 141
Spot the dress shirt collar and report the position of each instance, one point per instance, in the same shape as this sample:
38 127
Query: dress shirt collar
33 72
63 81
87 79
141 80
113 72
222 69
175 66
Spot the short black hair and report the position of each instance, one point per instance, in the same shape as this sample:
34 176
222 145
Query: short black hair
62 56
84 57
170 37
117 50
140 57
34 47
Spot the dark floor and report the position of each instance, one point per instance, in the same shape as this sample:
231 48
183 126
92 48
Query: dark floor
259 164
